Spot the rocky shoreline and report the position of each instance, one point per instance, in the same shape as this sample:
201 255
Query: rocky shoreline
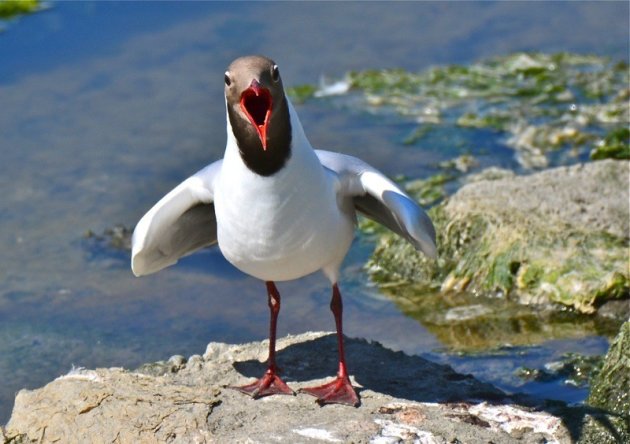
403 399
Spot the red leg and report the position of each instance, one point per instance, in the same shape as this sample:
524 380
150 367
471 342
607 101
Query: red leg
340 390
270 383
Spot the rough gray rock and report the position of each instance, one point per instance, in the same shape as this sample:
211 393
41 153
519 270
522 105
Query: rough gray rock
559 236
591 196
404 399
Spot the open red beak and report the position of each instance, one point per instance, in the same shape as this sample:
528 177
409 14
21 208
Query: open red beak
256 103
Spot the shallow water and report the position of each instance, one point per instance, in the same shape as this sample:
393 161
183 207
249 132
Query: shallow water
105 107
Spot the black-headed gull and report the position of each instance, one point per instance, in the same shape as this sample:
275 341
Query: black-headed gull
278 209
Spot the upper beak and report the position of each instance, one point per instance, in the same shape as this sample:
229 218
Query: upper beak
256 103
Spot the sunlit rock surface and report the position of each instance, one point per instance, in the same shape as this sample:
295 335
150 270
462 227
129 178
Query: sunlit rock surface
558 236
403 398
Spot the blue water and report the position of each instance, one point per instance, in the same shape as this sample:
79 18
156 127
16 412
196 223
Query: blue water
104 107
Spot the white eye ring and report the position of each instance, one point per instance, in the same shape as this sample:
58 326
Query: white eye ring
227 79
275 73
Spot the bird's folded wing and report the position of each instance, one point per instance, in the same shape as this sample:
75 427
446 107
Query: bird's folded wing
182 222
377 197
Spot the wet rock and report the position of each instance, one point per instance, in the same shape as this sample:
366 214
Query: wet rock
403 399
573 369
616 309
610 391
173 365
539 103
558 236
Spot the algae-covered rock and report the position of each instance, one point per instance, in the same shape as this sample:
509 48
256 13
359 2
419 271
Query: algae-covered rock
537 102
556 236
610 390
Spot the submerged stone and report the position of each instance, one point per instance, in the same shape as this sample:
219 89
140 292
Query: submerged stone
559 236
465 322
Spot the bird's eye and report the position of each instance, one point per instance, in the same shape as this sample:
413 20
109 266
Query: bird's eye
275 73
228 81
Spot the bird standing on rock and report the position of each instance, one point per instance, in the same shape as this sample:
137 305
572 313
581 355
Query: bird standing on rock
278 209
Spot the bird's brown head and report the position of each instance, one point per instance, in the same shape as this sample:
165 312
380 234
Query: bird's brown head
258 113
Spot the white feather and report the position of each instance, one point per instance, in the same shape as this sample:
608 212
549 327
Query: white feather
284 226
281 227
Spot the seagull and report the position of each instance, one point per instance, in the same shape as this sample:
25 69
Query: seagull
278 209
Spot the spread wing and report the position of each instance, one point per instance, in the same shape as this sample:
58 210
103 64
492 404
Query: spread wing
380 199
182 222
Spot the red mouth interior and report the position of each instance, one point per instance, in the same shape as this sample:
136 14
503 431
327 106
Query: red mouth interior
256 105
256 102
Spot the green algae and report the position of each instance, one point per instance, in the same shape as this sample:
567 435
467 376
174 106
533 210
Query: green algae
614 146
431 190
301 93
541 102
12 8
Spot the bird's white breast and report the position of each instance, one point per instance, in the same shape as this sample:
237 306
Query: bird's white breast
283 226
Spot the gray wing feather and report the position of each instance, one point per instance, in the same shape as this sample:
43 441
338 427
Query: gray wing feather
181 223
195 229
381 200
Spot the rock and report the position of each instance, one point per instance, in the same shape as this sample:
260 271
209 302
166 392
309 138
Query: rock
404 399
111 405
158 368
558 236
610 391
